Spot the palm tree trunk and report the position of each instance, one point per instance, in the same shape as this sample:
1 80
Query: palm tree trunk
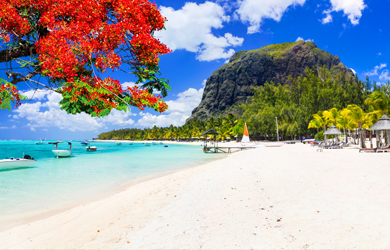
361 136
371 139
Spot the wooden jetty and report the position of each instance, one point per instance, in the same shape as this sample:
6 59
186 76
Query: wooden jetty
208 149
215 149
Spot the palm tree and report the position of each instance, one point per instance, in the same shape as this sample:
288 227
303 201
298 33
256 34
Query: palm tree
331 116
315 124
357 114
345 122
379 101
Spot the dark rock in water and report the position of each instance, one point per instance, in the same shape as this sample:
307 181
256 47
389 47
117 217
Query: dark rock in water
233 82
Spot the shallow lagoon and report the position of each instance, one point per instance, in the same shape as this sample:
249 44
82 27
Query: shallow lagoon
56 183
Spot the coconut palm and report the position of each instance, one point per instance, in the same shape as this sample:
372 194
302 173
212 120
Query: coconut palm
331 116
315 124
357 115
379 101
345 122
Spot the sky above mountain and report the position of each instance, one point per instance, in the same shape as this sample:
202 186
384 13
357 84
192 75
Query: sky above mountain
203 35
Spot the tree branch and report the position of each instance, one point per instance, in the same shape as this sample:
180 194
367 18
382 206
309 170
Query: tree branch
23 50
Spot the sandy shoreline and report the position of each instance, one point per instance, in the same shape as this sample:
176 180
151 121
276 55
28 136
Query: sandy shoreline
287 197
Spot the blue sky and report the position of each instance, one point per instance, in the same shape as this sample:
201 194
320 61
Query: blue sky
203 36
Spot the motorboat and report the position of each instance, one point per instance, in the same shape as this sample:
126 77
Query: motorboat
130 143
12 162
40 142
61 152
161 143
119 143
147 144
90 149
165 146
154 143
84 143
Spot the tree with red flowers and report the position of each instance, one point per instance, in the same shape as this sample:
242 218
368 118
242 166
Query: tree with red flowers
72 43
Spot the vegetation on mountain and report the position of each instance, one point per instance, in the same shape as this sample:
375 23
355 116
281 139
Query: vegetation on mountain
303 107
72 43
234 82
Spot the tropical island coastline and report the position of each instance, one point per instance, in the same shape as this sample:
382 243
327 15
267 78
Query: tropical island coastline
250 199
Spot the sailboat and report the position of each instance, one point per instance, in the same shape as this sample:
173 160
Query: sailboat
245 136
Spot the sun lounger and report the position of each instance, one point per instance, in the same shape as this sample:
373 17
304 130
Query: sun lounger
367 150
383 150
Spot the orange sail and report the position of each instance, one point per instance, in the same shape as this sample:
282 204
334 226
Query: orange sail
246 131
245 135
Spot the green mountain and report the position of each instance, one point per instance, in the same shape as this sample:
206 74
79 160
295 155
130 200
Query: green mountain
233 82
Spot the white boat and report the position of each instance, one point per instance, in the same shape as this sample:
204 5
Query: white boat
40 142
62 152
27 161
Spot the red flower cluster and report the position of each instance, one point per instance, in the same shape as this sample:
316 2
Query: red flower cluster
142 98
83 36
8 94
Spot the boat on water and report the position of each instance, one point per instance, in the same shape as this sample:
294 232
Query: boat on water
40 142
154 143
61 152
165 146
84 143
119 143
90 149
12 162
130 143
147 144
161 143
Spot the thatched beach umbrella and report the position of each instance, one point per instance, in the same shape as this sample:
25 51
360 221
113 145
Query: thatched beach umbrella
332 131
211 132
382 125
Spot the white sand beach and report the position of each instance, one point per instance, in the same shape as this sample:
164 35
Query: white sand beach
276 197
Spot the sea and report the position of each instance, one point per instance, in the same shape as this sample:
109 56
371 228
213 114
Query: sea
59 183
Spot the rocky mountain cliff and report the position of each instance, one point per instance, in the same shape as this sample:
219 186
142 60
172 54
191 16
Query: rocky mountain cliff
233 82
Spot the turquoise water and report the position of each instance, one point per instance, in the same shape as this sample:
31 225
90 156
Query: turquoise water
56 183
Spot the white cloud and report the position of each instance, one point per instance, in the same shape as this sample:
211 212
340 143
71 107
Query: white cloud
35 94
190 28
328 17
179 110
204 82
13 127
301 39
385 75
374 72
47 113
351 8
128 84
379 54
255 11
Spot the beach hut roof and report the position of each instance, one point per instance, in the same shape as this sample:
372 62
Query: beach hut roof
382 124
333 131
210 132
